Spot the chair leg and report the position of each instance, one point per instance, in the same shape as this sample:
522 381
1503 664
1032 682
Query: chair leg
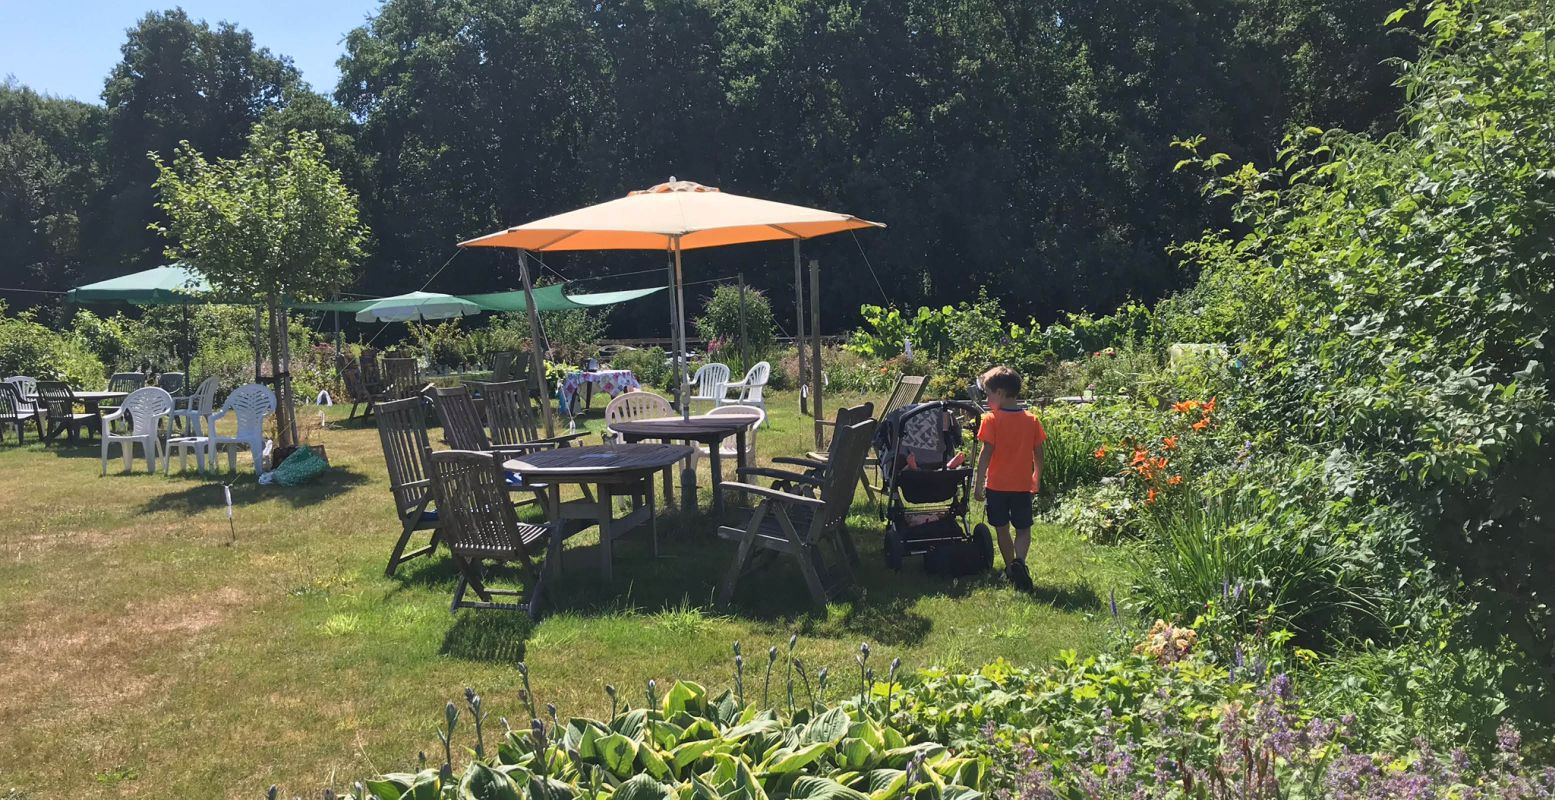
812 579
151 448
736 568
105 457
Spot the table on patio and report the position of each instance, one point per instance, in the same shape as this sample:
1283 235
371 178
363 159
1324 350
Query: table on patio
610 381
708 430
610 469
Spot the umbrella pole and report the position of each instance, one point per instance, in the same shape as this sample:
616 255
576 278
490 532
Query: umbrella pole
815 354
188 342
680 346
799 327
534 347
259 322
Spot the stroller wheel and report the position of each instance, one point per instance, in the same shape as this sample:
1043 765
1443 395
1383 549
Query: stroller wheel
983 537
895 550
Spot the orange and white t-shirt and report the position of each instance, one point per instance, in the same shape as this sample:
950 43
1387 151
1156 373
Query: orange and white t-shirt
1014 435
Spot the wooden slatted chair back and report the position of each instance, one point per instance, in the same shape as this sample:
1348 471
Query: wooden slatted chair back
10 402
637 405
502 366
845 461
146 407
126 381
372 371
403 376
250 404
909 390
510 413
462 425
402 430
853 415
475 514
356 385
171 382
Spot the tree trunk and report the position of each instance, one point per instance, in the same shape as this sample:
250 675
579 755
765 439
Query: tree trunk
284 432
285 405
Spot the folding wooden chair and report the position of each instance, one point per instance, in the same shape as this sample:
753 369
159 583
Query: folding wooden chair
462 430
402 429
404 378
479 526
358 393
502 366
809 528
908 390
510 416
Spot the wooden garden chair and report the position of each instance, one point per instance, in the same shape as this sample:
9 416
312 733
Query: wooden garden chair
479 525
908 390
58 403
510 417
404 378
808 528
502 366
463 430
402 430
358 392
372 371
126 382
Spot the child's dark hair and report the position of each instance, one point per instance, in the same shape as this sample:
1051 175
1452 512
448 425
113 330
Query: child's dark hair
1002 379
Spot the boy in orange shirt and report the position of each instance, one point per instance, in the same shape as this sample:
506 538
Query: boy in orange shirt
1009 469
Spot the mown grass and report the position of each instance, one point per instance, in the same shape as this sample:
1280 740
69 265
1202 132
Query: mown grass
152 650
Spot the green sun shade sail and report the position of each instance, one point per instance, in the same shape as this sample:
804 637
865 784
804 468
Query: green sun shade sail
554 298
171 284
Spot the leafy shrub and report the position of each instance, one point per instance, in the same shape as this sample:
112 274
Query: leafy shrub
650 365
574 334
720 321
441 344
29 348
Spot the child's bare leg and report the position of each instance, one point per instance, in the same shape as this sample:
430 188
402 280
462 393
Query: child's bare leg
1006 547
1022 544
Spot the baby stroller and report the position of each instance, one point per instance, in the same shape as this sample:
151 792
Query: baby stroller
928 490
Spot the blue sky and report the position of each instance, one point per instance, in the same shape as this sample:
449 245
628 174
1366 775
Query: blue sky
67 47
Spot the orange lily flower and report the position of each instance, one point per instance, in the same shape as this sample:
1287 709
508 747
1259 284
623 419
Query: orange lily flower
1150 496
1210 406
1140 456
1169 443
1101 453
1174 480
1201 424
1185 406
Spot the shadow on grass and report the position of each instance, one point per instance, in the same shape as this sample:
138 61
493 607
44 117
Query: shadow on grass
206 492
488 636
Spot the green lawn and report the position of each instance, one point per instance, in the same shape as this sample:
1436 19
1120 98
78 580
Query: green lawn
152 653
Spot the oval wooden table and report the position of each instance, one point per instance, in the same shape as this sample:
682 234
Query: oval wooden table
618 469
706 429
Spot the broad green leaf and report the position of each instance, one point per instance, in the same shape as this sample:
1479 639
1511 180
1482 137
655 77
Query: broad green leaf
684 755
900 757
630 723
785 760
886 783
955 792
643 787
807 787
652 762
855 754
616 753
828 727
484 783
684 696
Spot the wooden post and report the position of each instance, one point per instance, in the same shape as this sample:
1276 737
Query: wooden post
815 352
537 360
799 339
680 335
259 325
339 345
745 360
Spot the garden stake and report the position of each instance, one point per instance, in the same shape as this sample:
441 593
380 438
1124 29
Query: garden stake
767 684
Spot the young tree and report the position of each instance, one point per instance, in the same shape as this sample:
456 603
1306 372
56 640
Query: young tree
275 225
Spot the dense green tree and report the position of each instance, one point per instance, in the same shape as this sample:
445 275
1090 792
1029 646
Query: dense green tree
179 80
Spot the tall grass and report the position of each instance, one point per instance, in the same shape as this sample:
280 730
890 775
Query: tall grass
1236 563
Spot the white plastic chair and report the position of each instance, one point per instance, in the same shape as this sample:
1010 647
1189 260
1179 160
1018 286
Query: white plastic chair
636 405
750 389
193 409
27 387
145 409
250 404
709 382
726 447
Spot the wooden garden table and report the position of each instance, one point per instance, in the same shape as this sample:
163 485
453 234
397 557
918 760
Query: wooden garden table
92 400
611 469
707 429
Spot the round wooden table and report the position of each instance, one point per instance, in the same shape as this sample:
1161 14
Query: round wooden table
625 469
707 429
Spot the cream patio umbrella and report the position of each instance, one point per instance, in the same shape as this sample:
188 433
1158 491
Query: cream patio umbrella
673 216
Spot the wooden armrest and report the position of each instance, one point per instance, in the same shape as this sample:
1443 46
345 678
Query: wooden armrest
827 422
780 475
525 448
773 494
563 439
800 461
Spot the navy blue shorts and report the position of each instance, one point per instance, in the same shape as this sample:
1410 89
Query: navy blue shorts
1009 508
